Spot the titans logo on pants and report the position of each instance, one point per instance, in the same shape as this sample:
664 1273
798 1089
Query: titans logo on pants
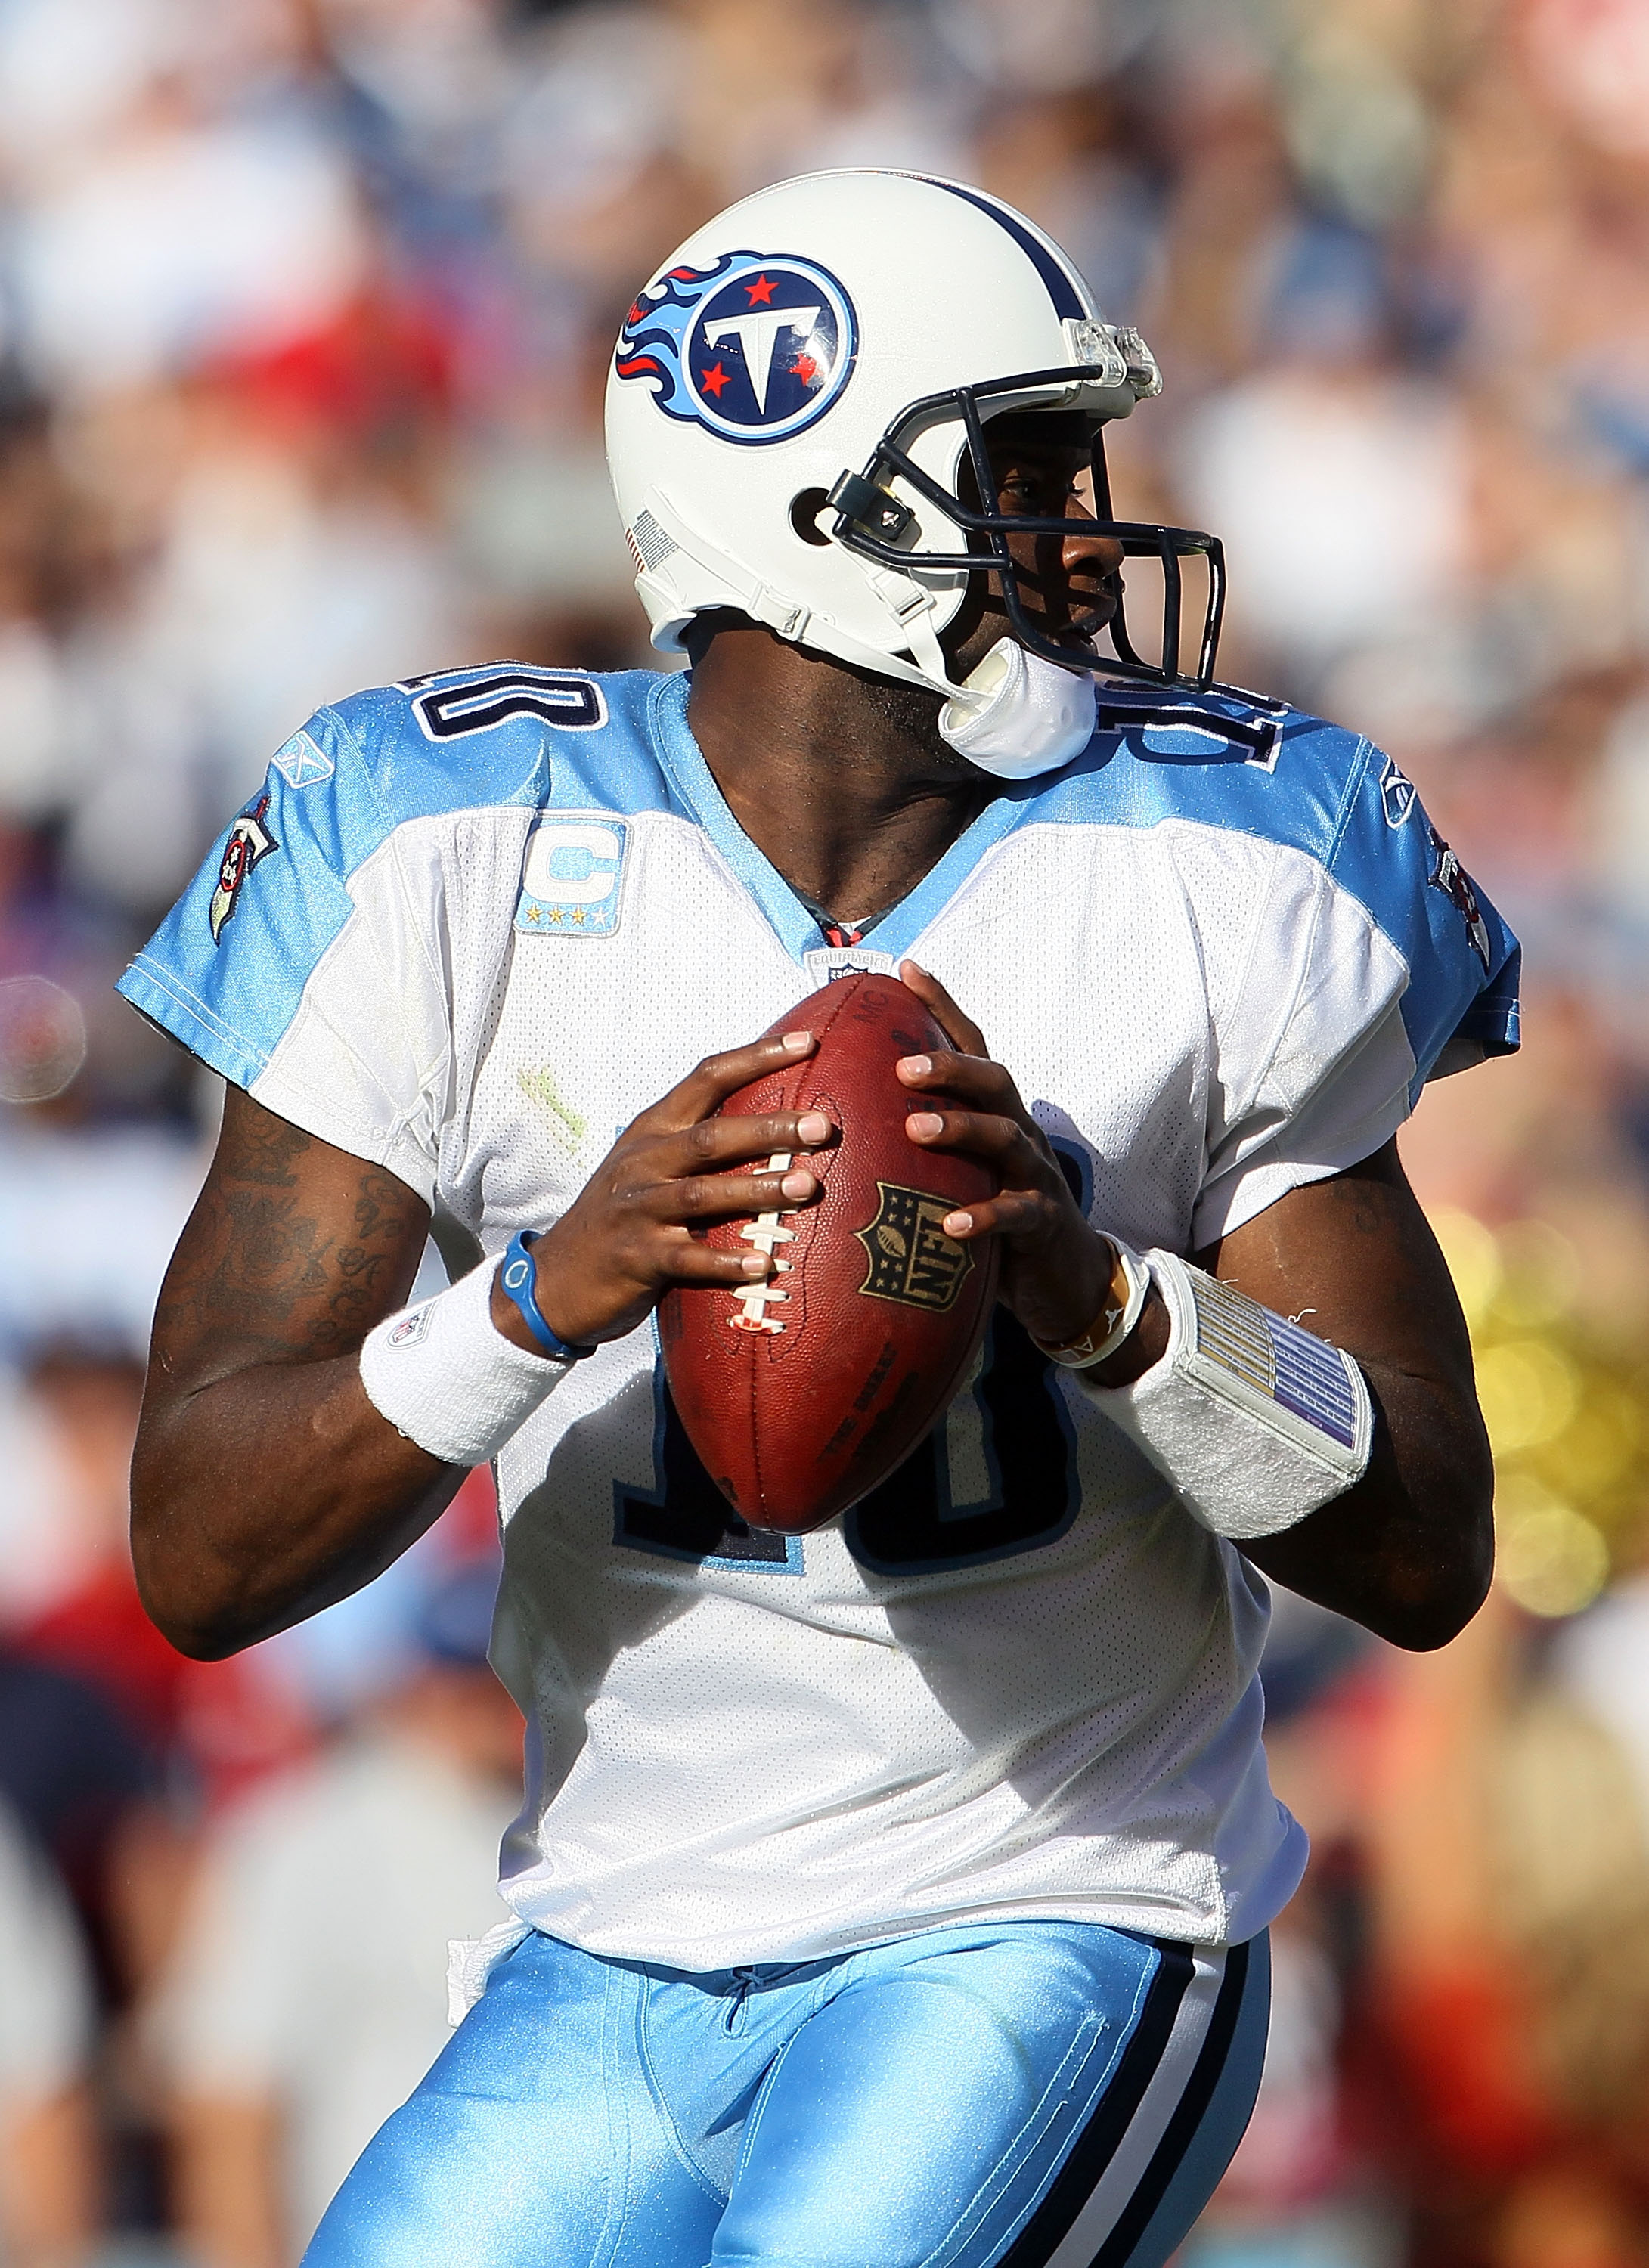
754 349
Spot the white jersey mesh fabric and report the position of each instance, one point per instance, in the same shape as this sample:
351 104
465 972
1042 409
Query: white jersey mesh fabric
1025 1686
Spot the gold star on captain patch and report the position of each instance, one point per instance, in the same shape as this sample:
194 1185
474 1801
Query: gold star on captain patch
533 915
579 916
555 916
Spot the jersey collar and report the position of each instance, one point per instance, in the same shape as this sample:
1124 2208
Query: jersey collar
794 924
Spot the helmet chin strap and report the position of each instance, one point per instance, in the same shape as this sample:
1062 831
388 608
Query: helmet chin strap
1016 716
1033 717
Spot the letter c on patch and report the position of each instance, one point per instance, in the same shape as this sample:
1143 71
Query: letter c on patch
573 862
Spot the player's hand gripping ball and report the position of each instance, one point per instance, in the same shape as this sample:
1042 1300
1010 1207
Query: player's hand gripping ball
802 1391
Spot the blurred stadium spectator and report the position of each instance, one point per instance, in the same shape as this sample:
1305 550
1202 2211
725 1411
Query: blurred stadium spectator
306 1994
305 307
49 2186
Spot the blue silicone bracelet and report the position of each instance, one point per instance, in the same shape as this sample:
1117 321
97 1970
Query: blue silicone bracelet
518 1276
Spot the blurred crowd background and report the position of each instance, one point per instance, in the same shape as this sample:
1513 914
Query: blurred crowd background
304 310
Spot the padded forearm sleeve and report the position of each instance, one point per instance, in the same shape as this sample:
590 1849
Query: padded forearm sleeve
1253 1421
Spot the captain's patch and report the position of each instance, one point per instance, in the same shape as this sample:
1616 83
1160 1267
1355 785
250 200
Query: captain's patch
572 879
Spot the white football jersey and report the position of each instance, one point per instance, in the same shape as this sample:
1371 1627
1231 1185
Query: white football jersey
472 924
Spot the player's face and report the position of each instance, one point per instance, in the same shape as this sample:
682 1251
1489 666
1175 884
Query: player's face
1067 584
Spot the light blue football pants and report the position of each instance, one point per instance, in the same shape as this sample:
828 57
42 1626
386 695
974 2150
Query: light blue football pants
1044 2094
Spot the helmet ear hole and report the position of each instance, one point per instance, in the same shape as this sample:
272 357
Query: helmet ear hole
805 509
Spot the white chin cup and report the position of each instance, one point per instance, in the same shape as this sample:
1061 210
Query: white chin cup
1027 716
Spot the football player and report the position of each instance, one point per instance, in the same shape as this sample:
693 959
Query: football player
897 1894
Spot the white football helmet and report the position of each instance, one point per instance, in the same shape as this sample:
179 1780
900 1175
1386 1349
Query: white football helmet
788 413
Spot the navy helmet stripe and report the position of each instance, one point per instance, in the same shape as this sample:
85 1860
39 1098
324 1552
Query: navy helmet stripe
1066 298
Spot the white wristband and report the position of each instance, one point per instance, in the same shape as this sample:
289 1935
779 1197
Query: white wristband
1254 1421
445 1376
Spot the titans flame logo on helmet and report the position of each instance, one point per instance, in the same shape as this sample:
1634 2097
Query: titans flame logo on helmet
752 349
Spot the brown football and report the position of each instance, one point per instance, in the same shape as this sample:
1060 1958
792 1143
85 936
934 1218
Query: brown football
804 1391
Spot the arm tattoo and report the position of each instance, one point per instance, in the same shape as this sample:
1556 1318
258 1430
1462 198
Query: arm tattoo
293 1252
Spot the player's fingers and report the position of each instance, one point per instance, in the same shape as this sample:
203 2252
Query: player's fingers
963 1031
984 1134
726 1197
1015 1213
974 1079
970 1079
708 1084
691 1261
711 1143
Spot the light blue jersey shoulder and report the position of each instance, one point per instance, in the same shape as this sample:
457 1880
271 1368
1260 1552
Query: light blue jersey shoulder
227 969
507 733
225 972
1261 769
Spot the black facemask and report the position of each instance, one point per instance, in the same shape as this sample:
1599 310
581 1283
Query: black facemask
873 523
